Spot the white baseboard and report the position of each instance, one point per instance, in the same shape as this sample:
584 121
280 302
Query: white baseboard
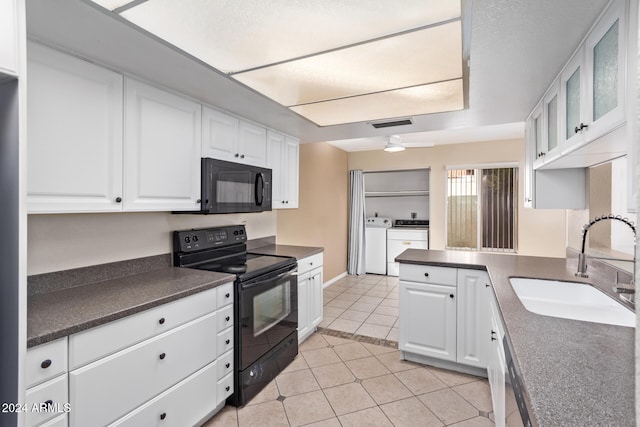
335 279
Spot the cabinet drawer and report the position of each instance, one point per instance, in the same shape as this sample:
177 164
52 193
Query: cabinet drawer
185 404
60 421
225 318
309 263
428 274
225 387
111 387
225 364
46 361
52 395
225 294
225 340
92 344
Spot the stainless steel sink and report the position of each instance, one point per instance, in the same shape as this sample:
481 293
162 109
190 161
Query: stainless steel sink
571 300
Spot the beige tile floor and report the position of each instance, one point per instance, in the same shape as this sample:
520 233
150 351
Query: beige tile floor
363 305
343 382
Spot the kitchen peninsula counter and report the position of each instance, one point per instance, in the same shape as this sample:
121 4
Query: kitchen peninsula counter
573 372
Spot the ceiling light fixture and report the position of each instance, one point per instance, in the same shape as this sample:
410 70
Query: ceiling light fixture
394 144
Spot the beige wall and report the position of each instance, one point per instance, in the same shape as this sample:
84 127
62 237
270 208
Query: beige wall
540 232
64 241
322 216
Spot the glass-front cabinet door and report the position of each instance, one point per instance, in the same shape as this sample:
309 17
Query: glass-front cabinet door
605 56
551 131
572 93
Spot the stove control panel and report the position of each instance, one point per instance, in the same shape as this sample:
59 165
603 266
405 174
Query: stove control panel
206 238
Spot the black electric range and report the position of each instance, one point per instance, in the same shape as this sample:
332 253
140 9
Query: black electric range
265 302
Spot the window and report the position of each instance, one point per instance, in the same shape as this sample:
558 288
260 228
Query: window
482 208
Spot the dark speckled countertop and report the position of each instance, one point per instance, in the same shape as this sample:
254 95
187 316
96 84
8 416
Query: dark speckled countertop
574 373
63 312
298 252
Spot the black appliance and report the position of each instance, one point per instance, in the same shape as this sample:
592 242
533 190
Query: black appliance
229 187
265 302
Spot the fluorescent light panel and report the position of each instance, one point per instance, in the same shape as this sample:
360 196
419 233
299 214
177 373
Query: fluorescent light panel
332 61
411 59
425 99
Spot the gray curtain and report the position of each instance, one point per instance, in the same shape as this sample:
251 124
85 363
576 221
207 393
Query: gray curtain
357 219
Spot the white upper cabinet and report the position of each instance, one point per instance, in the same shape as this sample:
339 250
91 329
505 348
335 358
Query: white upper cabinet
282 159
162 150
593 83
8 37
225 137
252 144
605 54
219 135
74 154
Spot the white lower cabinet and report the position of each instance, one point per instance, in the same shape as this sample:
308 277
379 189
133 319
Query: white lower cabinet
171 365
47 384
310 282
496 363
185 404
428 320
443 312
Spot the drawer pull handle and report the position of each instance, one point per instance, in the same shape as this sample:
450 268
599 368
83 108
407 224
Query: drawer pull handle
310 263
451 296
227 295
227 318
227 342
227 388
162 356
45 364
163 415
227 365
426 274
161 321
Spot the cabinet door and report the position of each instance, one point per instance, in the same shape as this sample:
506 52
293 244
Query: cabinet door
315 297
74 153
537 135
292 148
529 156
276 161
550 130
8 37
219 135
496 365
605 58
428 320
162 150
572 95
473 287
252 144
304 317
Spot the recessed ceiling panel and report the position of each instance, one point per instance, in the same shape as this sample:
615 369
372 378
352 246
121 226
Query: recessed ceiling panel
242 34
430 55
425 99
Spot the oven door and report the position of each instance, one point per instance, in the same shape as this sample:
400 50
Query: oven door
268 313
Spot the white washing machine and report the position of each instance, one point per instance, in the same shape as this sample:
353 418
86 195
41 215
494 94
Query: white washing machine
376 244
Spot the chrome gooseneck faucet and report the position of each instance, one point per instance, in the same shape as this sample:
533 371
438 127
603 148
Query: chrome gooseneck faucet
582 257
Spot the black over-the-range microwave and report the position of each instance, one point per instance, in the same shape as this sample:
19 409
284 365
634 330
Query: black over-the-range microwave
229 187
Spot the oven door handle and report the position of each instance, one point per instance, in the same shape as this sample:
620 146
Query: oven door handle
260 281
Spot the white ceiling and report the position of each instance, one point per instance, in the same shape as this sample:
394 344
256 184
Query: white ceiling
517 47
